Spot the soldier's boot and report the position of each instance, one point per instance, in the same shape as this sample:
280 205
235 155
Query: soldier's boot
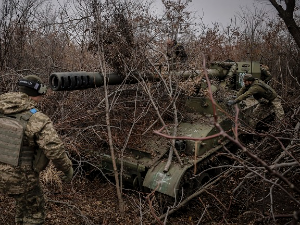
35 221
32 223
252 123
18 221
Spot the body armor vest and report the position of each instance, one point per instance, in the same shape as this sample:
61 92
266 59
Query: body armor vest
270 94
13 150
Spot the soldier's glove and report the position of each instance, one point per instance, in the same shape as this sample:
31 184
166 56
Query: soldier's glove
68 175
231 102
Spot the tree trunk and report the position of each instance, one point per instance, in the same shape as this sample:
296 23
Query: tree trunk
288 18
112 151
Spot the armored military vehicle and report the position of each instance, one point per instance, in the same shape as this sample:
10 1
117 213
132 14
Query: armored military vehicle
145 166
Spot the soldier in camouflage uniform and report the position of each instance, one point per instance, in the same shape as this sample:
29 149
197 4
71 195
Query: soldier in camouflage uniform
40 139
266 76
264 94
176 54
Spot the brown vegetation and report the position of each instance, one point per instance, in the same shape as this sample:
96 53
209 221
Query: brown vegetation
125 37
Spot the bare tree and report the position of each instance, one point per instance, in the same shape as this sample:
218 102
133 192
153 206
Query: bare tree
288 17
125 38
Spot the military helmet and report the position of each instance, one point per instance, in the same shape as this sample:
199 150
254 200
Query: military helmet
32 85
248 77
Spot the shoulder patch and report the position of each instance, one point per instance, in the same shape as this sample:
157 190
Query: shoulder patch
33 110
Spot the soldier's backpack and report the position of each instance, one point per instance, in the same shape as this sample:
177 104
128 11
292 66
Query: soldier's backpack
270 92
12 129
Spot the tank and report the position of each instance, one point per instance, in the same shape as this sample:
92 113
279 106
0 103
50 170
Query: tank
148 167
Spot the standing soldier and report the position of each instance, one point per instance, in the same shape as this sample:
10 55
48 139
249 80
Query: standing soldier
266 76
176 52
25 152
264 94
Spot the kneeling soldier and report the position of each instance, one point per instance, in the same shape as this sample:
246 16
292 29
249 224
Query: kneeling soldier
264 94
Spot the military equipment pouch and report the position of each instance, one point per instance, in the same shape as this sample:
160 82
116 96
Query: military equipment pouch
270 93
11 139
40 161
12 129
26 156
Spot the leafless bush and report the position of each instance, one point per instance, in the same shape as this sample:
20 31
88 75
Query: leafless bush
114 36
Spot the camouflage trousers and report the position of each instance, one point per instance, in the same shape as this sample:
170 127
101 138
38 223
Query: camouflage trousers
22 183
30 207
262 111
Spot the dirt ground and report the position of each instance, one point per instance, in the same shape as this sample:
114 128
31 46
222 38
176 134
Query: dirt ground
87 201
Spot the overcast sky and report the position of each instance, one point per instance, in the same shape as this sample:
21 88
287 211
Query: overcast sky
222 10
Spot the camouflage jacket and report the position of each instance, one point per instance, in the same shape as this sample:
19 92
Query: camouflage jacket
177 52
39 134
266 76
258 89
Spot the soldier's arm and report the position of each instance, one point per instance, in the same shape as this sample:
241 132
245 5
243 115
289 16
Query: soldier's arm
41 129
241 91
254 89
246 94
266 74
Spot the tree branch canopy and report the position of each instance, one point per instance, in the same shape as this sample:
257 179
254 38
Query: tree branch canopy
288 18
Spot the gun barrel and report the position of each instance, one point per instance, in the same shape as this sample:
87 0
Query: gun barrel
61 81
220 73
68 81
